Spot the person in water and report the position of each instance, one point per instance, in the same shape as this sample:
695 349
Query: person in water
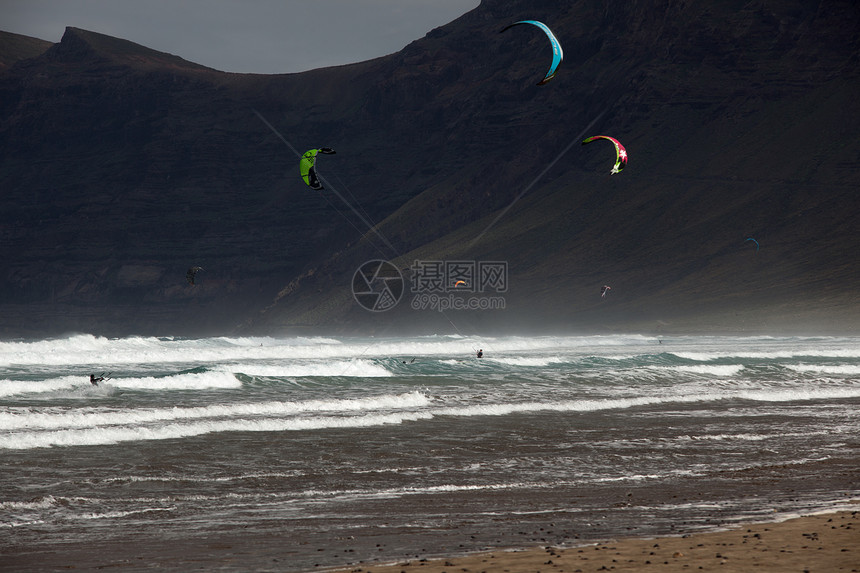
95 381
480 353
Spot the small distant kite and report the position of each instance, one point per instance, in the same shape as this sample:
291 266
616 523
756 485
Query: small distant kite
460 283
754 241
191 274
307 166
557 53
604 290
620 152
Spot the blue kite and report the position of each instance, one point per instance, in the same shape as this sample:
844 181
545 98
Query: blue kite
557 53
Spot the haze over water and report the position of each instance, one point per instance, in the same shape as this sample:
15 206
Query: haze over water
406 447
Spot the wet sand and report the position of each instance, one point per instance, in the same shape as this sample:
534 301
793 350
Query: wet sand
825 543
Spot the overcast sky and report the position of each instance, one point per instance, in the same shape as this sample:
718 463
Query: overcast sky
261 36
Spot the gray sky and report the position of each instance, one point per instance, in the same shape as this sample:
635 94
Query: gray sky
261 36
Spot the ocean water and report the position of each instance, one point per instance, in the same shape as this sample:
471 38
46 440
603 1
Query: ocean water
350 451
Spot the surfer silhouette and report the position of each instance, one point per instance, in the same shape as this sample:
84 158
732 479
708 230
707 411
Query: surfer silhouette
95 381
480 353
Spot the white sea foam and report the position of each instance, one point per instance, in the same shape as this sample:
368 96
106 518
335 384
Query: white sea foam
838 370
14 387
184 381
208 479
534 361
105 352
118 514
24 419
222 377
748 437
799 394
388 493
836 352
22 524
116 354
707 370
115 435
360 368
27 429
40 503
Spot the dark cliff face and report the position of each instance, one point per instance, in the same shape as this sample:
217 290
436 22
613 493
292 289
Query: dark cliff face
121 167
735 120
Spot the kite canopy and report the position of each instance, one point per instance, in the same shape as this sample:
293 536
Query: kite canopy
307 166
620 152
754 241
557 53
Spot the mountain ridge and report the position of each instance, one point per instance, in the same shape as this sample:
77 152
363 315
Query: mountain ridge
17 47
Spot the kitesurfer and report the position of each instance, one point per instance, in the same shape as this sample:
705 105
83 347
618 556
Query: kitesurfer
480 353
95 381
191 274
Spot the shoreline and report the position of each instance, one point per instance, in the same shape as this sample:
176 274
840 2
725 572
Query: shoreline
818 543
825 542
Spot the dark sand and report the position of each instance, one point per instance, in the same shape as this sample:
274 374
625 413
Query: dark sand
825 543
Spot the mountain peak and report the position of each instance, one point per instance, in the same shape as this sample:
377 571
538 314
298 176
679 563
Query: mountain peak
81 45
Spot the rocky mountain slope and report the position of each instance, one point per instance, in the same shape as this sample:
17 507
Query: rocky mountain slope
121 167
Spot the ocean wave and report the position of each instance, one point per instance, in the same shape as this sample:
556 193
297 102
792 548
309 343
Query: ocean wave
101 353
839 370
120 514
86 349
27 429
708 370
15 387
81 384
25 419
116 435
358 368
534 361
839 352
208 479
748 437
38 503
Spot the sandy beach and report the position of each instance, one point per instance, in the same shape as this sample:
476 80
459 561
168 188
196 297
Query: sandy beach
822 543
